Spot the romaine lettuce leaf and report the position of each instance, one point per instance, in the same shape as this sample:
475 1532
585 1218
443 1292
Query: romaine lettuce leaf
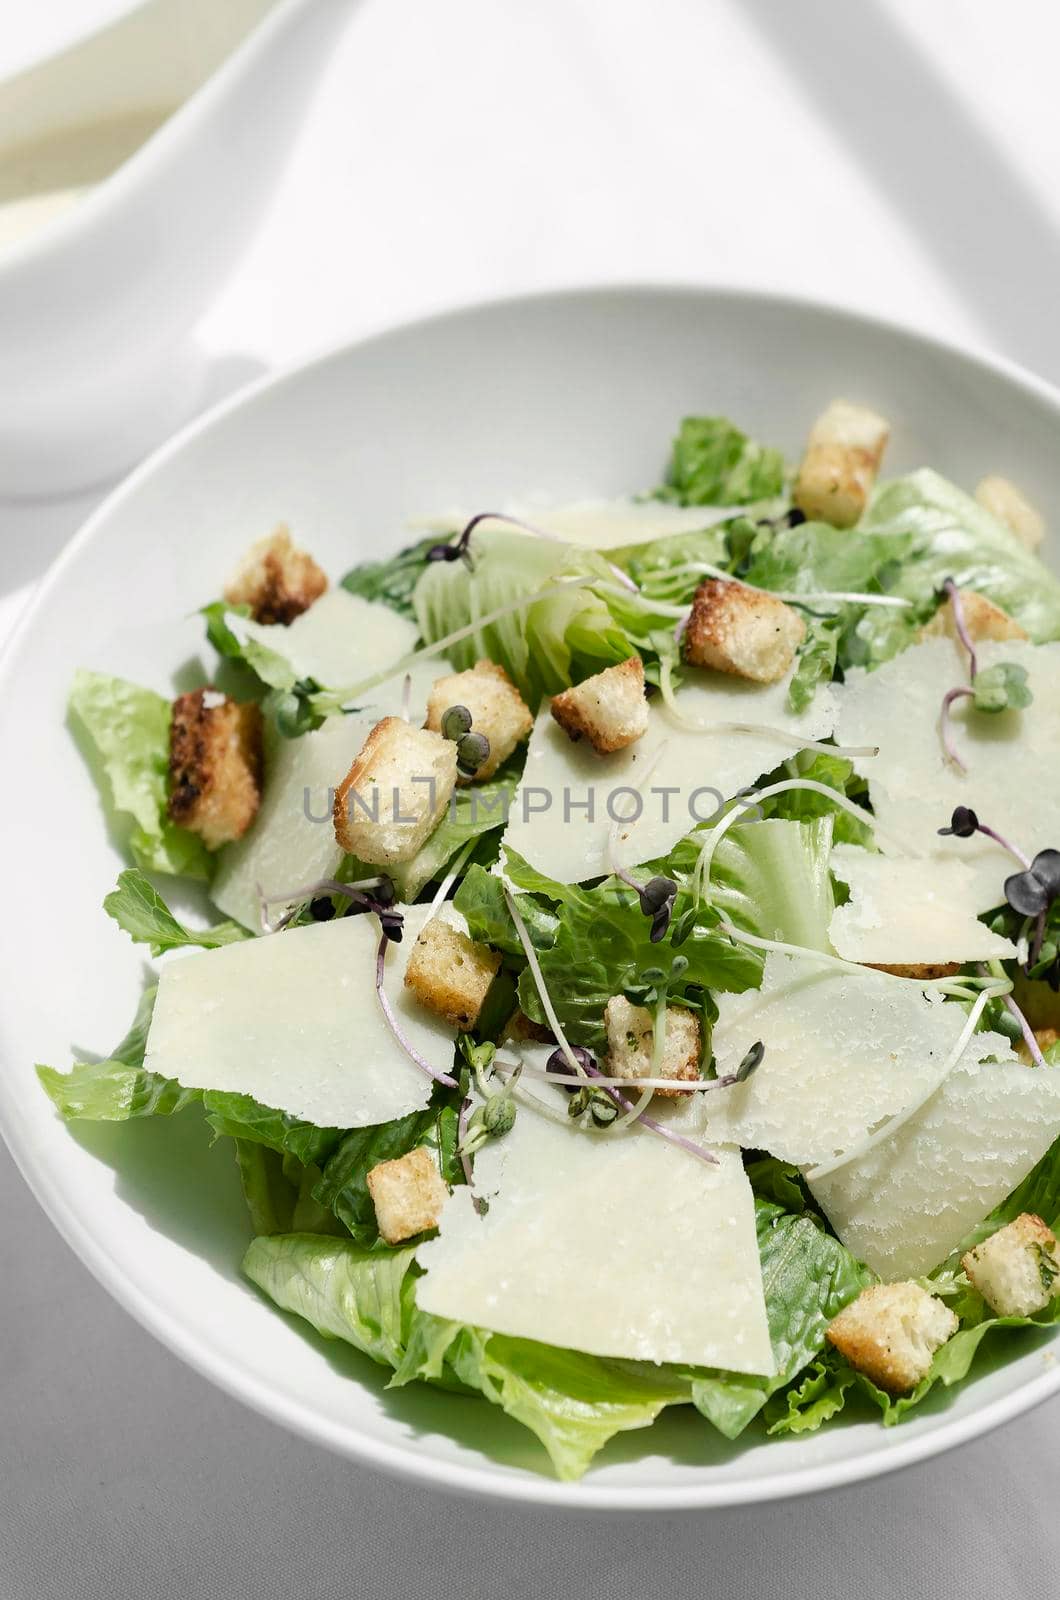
572 1403
392 581
137 906
808 1277
953 536
117 1088
342 1187
597 942
559 639
128 728
363 1298
479 809
714 464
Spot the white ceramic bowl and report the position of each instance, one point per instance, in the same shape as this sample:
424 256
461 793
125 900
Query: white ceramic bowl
569 394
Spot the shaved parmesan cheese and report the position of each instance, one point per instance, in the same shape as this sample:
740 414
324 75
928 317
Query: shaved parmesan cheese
913 911
914 789
906 1204
844 1052
339 640
294 1020
616 1245
292 841
607 524
570 796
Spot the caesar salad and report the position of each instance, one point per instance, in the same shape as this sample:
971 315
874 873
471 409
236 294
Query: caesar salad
635 955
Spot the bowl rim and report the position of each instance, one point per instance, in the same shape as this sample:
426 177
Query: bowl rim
402 1460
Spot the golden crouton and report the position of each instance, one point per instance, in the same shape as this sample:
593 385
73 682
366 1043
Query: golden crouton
215 766
609 708
519 1029
982 620
843 455
631 1043
497 710
741 631
277 581
395 793
1016 1270
450 974
1045 1039
890 1332
927 970
408 1194
1004 501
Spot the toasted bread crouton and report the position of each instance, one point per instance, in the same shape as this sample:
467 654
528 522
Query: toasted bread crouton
741 631
1016 1270
1045 1039
497 710
890 1333
520 1029
842 458
395 793
450 974
982 620
631 1043
408 1194
1004 501
609 708
277 581
215 766
917 969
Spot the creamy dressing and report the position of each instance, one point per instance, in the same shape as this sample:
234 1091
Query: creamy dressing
42 180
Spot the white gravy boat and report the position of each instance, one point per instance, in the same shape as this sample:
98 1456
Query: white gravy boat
133 169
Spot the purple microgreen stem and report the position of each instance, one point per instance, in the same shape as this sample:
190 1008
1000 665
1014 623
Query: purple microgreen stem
957 607
392 1021
948 699
1025 1028
658 1128
296 898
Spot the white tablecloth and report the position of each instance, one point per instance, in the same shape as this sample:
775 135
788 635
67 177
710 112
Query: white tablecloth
885 154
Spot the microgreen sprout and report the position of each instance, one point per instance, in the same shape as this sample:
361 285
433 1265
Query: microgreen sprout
1030 893
472 749
657 898
365 894
392 1022
1002 687
750 1063
659 1128
1018 1024
558 1066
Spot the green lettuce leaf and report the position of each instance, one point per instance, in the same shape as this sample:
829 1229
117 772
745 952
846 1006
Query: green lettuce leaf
801 805
571 1402
600 943
342 1187
808 1277
137 906
816 660
235 644
953 536
278 1190
118 1088
545 646
770 877
345 1293
392 581
818 1396
128 729
714 464
477 810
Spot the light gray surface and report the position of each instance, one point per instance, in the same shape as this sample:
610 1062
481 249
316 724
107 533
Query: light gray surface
123 1474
